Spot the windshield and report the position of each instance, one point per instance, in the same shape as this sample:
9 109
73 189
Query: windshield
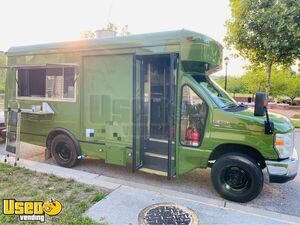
218 95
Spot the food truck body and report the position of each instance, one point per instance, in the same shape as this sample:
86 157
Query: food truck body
148 102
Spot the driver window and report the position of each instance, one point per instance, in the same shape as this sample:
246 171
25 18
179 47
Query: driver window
193 115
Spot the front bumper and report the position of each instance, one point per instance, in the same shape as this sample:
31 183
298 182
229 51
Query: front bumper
284 170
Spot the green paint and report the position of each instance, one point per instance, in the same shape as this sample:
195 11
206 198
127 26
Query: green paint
104 97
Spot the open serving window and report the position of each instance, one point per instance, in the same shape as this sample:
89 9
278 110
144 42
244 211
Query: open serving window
50 82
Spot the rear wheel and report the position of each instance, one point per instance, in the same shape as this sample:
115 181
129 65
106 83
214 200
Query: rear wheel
64 151
237 177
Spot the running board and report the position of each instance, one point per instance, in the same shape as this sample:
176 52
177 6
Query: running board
152 171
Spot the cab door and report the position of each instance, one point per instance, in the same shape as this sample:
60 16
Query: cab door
192 123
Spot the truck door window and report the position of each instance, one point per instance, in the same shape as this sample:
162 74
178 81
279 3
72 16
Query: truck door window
193 116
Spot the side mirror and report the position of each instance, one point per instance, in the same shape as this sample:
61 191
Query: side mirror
260 109
260 104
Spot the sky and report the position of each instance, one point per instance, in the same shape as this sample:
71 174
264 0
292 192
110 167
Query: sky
43 21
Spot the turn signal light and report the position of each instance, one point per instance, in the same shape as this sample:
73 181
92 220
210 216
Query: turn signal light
279 143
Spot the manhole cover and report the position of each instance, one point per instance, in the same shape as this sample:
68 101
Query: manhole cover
168 214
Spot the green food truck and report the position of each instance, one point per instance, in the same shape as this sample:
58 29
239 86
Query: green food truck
147 101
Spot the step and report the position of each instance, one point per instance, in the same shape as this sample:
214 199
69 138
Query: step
11 149
155 161
11 136
156 172
155 145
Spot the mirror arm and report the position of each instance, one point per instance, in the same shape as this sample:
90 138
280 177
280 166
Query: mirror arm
269 126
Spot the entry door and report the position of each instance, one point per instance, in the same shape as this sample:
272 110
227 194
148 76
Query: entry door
154 113
137 156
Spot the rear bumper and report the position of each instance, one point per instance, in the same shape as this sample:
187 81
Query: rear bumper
284 170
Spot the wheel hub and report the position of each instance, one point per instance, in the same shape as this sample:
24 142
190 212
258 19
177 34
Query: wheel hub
63 151
236 177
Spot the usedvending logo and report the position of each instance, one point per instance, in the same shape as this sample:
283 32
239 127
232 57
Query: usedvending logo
31 210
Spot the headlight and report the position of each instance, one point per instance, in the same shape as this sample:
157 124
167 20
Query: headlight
284 144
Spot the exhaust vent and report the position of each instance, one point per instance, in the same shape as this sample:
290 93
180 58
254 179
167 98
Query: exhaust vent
105 33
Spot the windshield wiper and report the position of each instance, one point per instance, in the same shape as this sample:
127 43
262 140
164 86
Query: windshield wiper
230 106
234 106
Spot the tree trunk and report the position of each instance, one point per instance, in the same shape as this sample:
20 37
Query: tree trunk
292 100
268 85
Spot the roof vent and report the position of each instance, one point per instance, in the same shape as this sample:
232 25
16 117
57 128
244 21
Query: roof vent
105 33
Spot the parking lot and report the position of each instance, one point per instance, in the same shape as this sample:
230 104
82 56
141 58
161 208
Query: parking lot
283 198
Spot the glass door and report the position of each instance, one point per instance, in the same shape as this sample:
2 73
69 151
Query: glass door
137 112
154 113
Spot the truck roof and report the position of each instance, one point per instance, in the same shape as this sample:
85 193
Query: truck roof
138 40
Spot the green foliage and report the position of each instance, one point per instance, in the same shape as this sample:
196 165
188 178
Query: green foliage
88 34
112 27
234 84
284 82
266 32
296 116
292 89
296 124
255 80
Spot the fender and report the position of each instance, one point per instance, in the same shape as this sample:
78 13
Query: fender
60 130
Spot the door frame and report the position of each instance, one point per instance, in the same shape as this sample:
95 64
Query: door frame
138 163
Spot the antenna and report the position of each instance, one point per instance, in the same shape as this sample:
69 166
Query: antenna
109 11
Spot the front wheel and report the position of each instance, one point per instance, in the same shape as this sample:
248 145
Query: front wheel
237 177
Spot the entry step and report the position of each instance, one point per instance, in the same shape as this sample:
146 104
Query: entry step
157 162
11 149
156 172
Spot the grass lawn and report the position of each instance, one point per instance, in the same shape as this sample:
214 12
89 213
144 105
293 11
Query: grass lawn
23 184
296 116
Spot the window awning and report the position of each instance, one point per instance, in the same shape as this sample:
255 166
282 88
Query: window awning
32 66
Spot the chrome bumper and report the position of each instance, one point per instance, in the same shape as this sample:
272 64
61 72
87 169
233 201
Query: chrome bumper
283 171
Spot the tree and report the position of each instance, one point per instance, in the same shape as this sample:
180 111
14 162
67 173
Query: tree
88 34
293 90
254 80
123 31
266 32
236 85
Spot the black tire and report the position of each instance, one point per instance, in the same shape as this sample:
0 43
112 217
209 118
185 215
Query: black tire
64 151
237 177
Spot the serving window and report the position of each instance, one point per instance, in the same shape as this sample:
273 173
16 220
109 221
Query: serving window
51 83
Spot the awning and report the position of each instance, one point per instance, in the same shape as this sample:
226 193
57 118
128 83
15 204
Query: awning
33 66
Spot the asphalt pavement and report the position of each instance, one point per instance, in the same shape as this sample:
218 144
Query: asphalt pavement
281 198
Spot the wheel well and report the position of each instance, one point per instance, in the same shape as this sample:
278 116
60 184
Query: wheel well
237 148
58 131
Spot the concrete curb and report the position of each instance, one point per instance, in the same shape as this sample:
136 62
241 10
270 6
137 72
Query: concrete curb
110 184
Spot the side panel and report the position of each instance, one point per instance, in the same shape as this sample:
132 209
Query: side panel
107 102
